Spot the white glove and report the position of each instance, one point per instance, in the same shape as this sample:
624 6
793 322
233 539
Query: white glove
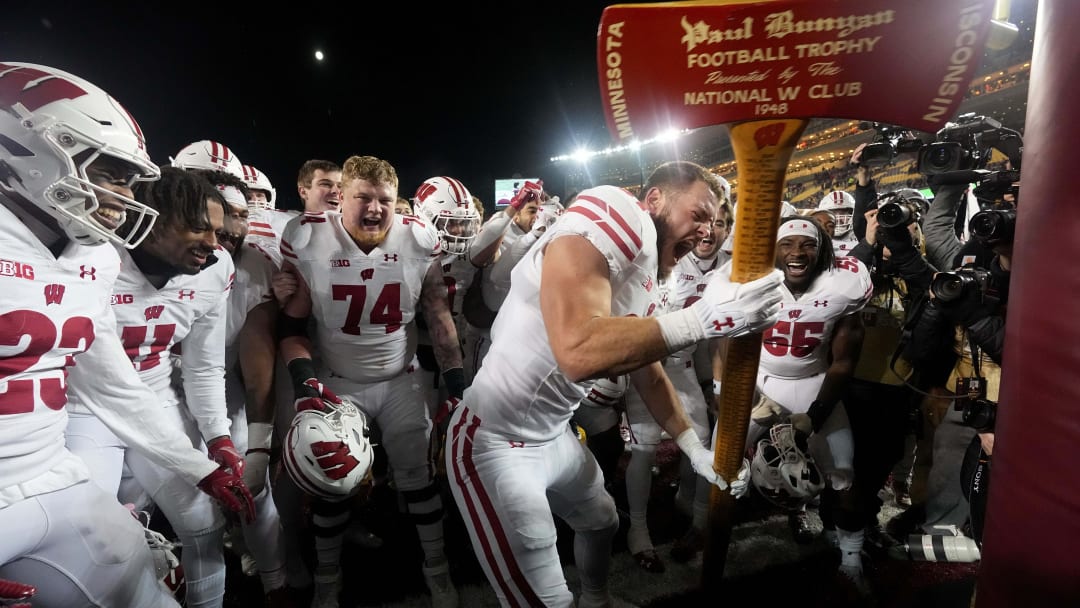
701 458
725 310
741 485
257 459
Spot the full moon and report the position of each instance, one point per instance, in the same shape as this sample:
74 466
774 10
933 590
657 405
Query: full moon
318 55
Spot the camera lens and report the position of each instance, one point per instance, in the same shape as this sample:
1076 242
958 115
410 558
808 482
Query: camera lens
940 157
891 215
948 286
993 225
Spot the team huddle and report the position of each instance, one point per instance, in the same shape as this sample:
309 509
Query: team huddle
168 337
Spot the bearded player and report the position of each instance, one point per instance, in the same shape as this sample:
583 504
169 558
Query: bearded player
363 272
578 309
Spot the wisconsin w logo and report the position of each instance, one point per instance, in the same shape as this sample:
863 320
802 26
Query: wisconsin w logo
34 88
335 458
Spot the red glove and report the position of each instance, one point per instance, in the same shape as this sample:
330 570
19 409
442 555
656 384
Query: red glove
529 192
10 590
223 452
445 410
230 492
313 395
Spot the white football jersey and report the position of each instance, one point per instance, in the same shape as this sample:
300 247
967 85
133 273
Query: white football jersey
535 401
362 302
188 309
797 346
843 246
265 228
253 286
55 319
494 291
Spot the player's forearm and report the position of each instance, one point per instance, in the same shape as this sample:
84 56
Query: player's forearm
295 347
204 394
444 340
258 351
132 411
485 247
660 398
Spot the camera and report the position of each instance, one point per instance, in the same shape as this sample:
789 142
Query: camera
901 208
951 286
979 414
966 144
993 226
889 142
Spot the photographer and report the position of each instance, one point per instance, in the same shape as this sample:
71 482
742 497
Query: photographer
969 306
880 404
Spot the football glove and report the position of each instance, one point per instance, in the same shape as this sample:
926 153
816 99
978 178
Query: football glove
223 452
12 591
725 310
529 192
230 493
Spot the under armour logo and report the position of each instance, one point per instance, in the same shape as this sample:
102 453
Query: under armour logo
389 257
83 273
335 458
728 322
154 312
820 303
517 444
54 293
186 293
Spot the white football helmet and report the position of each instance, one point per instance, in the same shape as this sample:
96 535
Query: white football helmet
257 180
782 471
53 125
606 392
327 453
725 186
209 155
448 205
548 212
842 206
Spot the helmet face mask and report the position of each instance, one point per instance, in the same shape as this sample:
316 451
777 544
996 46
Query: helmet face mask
50 144
782 470
328 453
447 204
257 180
842 206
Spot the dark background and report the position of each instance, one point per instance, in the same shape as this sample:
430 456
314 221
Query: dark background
474 91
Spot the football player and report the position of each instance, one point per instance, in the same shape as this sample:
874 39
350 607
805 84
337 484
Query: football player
362 274
250 355
69 155
842 207
446 203
578 309
495 240
172 291
266 222
807 359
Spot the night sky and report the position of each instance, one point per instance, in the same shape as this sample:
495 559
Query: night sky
448 89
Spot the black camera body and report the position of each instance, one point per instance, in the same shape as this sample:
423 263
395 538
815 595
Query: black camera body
967 144
979 414
889 142
951 286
